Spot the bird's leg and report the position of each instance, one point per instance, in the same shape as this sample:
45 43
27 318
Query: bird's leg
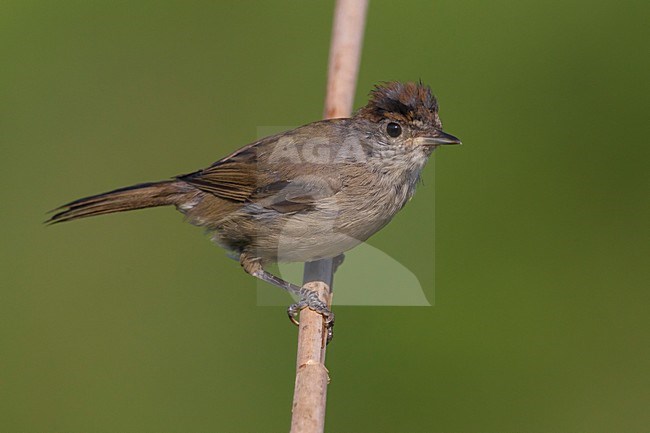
306 298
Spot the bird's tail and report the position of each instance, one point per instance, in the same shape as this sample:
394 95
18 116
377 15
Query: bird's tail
132 197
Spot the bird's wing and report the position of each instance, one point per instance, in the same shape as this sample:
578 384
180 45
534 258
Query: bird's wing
230 180
298 194
252 175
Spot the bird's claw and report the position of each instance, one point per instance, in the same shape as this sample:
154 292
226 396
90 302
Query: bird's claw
294 310
312 302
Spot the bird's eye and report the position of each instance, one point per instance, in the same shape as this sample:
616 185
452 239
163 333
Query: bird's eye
393 129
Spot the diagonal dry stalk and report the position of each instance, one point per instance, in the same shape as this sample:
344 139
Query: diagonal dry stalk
310 392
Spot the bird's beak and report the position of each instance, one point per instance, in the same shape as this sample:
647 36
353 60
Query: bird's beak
437 138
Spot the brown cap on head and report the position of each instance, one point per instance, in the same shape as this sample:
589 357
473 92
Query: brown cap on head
402 101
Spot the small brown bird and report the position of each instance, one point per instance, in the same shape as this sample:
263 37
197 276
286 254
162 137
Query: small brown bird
305 194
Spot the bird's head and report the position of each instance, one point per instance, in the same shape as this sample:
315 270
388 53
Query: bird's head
405 117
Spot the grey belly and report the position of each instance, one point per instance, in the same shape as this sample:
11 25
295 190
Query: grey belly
326 231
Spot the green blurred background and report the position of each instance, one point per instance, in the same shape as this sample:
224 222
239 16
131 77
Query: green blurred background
136 323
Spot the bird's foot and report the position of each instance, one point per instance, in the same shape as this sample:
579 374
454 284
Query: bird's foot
309 299
306 298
